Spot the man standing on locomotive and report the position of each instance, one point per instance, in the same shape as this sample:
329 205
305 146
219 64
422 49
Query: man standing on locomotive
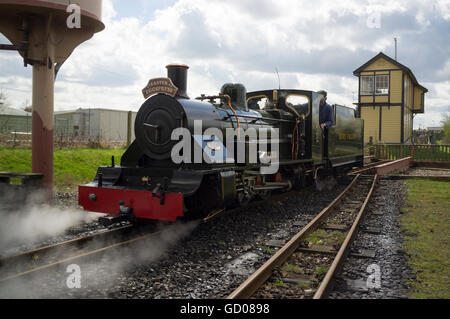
325 111
326 119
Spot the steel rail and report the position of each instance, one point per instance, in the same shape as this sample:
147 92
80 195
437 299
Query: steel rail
327 283
43 250
88 253
369 167
248 287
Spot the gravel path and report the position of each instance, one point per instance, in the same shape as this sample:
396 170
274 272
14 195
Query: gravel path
427 172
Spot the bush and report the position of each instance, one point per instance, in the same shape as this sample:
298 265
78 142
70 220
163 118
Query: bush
446 123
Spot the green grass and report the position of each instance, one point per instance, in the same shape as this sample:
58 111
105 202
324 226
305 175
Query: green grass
316 237
324 237
272 224
279 283
426 226
320 270
71 166
292 268
268 250
303 285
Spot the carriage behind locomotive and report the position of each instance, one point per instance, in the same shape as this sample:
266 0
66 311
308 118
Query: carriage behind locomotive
149 184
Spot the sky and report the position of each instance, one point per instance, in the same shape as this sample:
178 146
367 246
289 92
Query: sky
314 45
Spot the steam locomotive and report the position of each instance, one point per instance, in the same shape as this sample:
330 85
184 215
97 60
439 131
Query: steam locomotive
196 157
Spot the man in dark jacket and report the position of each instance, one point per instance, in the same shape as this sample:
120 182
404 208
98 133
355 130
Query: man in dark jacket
326 115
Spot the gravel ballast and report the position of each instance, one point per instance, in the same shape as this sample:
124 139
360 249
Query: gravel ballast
386 275
206 260
210 260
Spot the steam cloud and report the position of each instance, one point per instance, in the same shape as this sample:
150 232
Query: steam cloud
34 221
104 274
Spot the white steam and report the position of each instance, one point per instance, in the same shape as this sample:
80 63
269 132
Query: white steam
35 222
103 274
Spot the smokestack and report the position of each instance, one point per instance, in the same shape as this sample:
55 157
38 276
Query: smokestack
178 74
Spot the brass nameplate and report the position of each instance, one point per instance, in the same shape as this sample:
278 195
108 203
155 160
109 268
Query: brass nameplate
160 85
347 137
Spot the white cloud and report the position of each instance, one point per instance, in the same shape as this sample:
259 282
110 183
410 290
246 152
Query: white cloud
315 44
445 71
443 7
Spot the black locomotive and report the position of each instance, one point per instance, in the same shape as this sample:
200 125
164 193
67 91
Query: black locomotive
237 147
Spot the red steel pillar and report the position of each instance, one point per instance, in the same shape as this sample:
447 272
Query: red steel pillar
43 121
46 32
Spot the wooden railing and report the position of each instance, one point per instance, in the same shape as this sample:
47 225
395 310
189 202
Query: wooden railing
421 152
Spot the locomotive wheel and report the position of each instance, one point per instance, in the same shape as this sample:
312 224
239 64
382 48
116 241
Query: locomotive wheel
243 200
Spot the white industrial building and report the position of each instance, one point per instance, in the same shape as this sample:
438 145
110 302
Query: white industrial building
102 124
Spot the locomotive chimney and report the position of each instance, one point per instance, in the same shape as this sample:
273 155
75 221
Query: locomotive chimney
178 74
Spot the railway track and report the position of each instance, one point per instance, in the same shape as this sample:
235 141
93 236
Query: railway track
299 270
50 256
40 259
44 258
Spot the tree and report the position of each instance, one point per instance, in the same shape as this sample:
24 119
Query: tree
3 100
26 106
446 124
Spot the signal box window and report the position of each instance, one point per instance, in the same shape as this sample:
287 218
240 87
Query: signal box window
382 84
378 84
366 85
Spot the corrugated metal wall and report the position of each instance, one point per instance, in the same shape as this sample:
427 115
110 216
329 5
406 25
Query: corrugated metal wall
109 125
15 123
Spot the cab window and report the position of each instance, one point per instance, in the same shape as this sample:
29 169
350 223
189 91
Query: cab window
260 102
298 103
